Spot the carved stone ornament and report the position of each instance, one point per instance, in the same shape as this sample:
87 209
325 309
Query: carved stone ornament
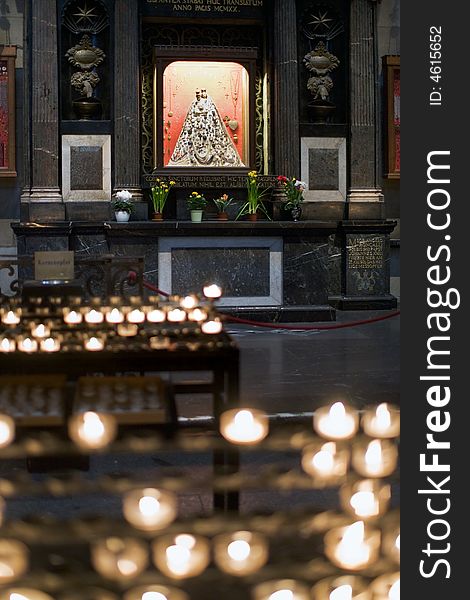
84 55
320 62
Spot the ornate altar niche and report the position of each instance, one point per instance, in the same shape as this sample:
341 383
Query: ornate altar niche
204 107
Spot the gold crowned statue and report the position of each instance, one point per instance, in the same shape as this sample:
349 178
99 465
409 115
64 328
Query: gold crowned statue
204 140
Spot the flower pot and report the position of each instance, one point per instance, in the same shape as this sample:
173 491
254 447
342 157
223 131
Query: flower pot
252 216
157 216
222 216
122 216
296 212
196 216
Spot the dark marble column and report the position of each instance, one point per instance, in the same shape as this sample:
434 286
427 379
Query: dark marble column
127 147
365 197
286 93
46 199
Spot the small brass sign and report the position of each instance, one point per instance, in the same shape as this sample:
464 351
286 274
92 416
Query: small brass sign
58 265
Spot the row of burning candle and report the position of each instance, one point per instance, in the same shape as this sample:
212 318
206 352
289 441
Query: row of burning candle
93 343
239 553
385 587
176 309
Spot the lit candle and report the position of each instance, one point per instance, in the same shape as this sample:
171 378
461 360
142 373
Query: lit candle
376 458
136 316
176 315
352 547
325 461
7 345
50 345
344 587
284 589
114 316
198 315
336 422
93 344
343 592
27 594
386 587
212 327
91 430
72 317
119 558
366 499
212 291
189 302
240 553
127 329
149 508
244 426
27 345
155 592
382 421
181 556
391 542
94 316
40 331
156 315
7 430
13 560
11 317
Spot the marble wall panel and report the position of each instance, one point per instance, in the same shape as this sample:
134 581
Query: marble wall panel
305 272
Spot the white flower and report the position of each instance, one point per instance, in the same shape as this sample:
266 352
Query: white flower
301 185
123 195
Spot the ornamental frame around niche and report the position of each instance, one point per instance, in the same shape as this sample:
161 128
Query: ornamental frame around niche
165 56
391 72
7 60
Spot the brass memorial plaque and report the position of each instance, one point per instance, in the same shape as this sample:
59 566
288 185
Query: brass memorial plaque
366 253
58 265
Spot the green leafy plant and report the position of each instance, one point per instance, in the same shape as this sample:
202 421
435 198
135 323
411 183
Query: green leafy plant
196 201
293 189
160 192
123 202
255 197
223 202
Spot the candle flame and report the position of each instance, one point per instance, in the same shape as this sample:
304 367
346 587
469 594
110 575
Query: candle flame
337 411
149 506
243 418
383 418
282 595
323 461
185 540
239 550
5 345
136 316
156 316
126 566
94 316
397 542
92 428
40 331
394 591
364 504
189 302
114 316
6 570
73 317
10 318
153 596
212 327
343 592
373 456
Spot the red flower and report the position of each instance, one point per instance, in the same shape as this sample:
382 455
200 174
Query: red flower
282 178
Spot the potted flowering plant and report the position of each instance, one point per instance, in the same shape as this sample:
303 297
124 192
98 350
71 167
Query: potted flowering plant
254 203
222 203
293 190
196 204
160 192
123 206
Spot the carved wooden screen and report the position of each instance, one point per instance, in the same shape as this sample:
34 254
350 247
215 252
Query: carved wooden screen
391 70
7 111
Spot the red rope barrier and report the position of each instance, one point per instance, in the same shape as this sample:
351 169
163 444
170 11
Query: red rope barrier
132 276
